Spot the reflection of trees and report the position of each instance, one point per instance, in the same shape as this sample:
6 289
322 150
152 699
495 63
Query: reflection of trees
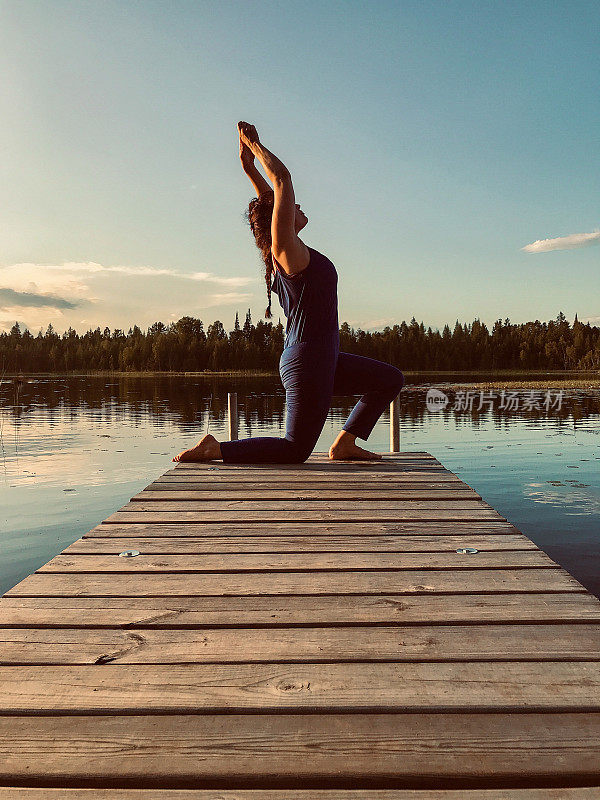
185 346
186 400
182 400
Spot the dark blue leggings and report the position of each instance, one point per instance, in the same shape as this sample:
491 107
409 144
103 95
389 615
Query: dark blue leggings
311 374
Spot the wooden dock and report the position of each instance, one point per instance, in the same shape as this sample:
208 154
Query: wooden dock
301 631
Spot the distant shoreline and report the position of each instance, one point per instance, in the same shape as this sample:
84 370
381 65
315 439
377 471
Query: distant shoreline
100 372
553 383
500 379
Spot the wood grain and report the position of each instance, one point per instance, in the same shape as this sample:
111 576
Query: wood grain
323 495
293 528
347 610
260 503
237 482
580 793
262 516
295 562
299 544
310 688
291 750
401 582
412 643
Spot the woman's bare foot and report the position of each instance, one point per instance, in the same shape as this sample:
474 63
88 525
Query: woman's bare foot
345 449
207 449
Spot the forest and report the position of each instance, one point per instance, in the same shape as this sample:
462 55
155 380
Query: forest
185 346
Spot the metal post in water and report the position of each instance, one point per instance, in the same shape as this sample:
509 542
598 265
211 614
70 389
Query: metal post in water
232 410
395 425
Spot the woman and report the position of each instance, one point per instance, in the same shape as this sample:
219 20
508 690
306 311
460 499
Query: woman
312 368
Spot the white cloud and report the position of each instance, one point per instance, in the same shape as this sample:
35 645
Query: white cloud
116 295
208 276
90 267
563 242
371 324
33 318
226 298
378 324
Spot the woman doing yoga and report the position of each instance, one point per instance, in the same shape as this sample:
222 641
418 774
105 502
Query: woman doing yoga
312 368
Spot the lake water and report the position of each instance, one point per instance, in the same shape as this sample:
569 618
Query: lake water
74 449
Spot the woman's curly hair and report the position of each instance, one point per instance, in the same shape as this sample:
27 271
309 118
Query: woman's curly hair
259 215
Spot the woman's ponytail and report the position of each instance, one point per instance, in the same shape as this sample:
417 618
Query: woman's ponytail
268 274
259 216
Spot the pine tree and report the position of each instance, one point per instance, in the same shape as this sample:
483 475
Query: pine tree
248 325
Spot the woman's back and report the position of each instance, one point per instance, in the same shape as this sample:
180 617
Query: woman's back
309 301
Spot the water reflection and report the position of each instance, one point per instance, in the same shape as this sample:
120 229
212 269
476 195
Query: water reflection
191 399
73 449
570 502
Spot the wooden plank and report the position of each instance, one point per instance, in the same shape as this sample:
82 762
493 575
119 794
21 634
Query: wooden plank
324 495
194 612
347 528
259 503
367 643
319 464
294 750
302 514
346 468
319 461
400 480
312 469
400 582
401 454
580 793
294 562
323 458
310 688
296 544
398 458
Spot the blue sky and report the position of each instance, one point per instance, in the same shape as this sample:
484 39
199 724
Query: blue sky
429 142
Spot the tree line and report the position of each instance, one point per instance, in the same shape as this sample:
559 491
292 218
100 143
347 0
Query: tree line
185 346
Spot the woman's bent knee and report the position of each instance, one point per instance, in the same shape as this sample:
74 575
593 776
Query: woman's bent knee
296 452
301 454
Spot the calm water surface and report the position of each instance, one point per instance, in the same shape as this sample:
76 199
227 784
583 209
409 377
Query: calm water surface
74 449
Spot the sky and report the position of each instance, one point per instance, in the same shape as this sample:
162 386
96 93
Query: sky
446 154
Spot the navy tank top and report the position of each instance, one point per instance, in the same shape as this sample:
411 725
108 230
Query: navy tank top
309 301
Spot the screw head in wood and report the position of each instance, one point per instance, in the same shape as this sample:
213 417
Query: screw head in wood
129 553
467 550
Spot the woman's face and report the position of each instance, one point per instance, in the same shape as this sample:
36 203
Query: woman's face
301 219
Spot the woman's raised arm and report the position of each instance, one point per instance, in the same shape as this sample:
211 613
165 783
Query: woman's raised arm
249 167
288 248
